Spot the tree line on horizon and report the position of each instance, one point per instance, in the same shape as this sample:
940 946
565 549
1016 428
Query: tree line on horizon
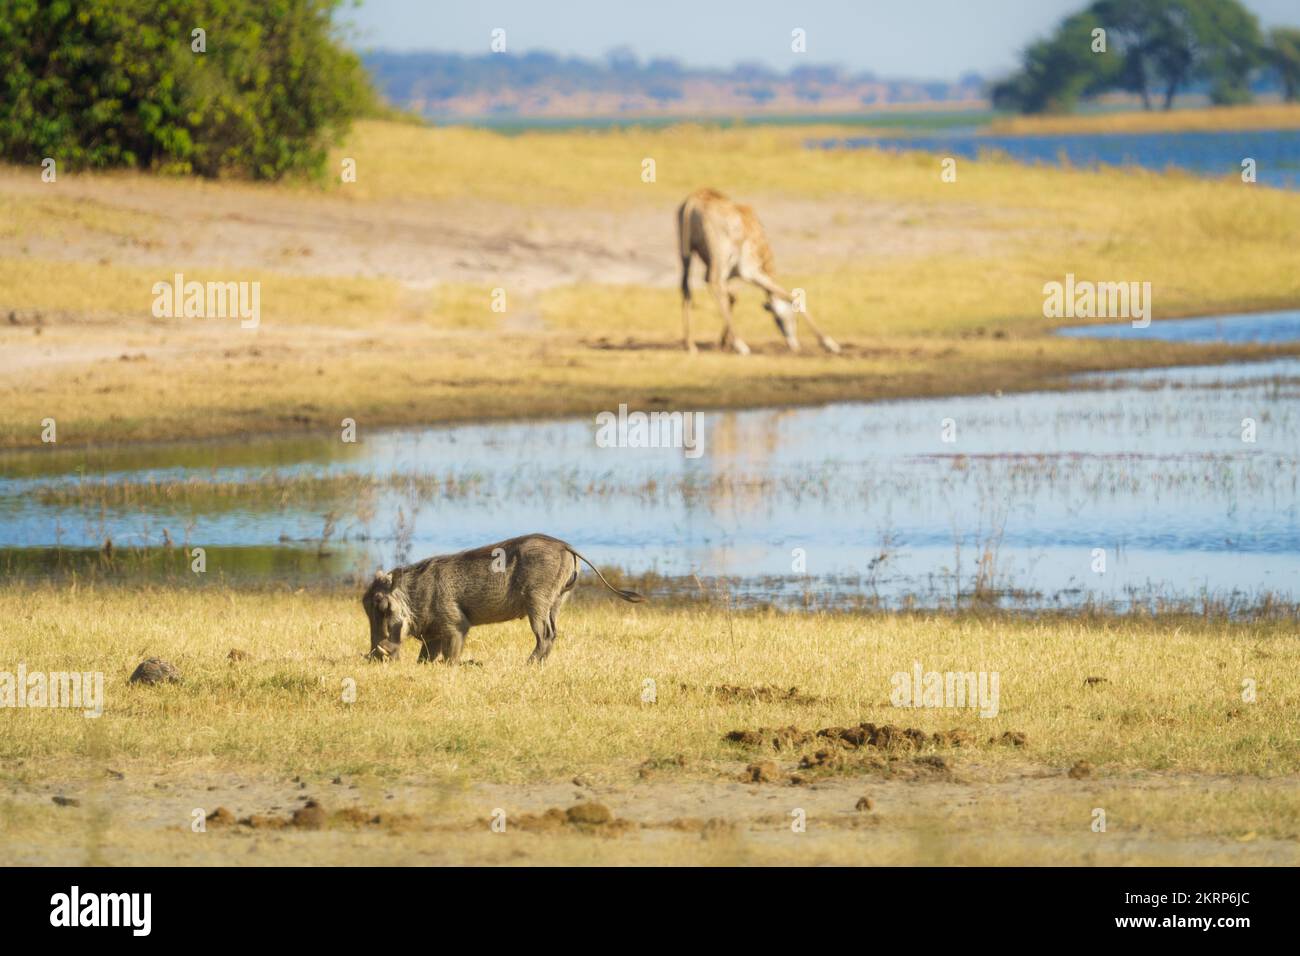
439 77
270 85
1154 49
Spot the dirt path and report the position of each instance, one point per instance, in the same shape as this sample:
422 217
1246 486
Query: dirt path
963 815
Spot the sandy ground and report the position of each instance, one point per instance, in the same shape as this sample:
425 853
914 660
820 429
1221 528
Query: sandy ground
917 814
420 243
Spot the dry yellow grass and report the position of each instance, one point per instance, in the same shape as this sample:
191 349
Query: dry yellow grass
1210 119
1172 698
1180 761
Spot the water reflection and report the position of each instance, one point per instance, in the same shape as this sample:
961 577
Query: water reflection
840 501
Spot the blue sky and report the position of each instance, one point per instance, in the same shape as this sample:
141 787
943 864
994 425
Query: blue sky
923 39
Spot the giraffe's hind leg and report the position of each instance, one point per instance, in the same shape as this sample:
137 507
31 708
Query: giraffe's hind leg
687 341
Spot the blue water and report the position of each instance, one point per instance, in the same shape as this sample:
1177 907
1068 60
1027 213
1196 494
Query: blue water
1213 154
1259 327
1153 468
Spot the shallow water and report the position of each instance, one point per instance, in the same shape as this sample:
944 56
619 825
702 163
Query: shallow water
845 502
1265 327
1276 152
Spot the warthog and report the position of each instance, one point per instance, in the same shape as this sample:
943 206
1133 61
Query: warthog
437 600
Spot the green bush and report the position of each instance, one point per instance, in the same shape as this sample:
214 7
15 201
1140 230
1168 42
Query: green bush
103 83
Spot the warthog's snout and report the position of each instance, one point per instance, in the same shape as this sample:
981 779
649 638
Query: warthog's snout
387 616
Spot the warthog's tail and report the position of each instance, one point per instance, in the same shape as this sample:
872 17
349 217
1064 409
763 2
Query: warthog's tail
624 594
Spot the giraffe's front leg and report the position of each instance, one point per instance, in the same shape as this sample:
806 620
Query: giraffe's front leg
729 337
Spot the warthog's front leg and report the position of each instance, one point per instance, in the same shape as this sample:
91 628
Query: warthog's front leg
431 648
450 640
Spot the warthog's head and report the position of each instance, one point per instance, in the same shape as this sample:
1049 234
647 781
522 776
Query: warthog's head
783 312
389 614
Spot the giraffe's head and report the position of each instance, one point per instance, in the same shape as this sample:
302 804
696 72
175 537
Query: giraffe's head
783 312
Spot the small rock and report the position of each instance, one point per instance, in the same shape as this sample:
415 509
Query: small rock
155 670
67 801
765 771
865 803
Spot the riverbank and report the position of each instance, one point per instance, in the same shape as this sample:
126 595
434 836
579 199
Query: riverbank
1143 717
1205 119
468 275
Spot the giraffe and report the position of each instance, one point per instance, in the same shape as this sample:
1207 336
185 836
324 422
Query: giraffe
731 242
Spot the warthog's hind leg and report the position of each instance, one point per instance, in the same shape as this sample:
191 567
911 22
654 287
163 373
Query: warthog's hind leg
543 624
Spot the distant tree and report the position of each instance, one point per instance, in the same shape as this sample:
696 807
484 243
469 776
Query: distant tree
120 83
759 94
1284 56
663 92
1153 47
622 59
665 66
1228 45
1057 71
750 71
824 75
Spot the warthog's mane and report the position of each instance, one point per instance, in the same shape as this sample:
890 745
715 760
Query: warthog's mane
400 608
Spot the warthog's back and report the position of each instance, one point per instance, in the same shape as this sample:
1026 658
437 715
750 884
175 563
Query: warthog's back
493 583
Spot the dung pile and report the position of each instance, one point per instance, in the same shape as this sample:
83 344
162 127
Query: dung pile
588 817
766 693
882 737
